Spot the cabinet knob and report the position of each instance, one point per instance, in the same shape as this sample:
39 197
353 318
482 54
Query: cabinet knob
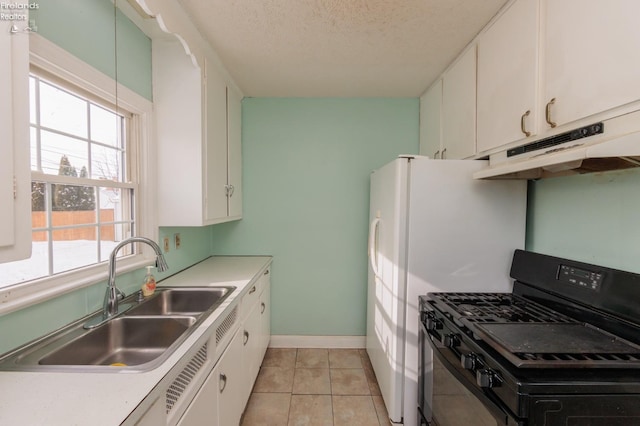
523 125
246 338
253 289
263 308
223 382
548 113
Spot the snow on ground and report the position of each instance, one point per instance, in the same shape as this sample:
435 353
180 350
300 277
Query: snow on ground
67 255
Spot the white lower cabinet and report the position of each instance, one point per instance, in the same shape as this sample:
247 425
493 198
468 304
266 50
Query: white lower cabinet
228 376
251 354
224 394
256 322
218 401
265 313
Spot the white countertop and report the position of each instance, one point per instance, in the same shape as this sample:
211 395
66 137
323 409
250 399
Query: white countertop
61 398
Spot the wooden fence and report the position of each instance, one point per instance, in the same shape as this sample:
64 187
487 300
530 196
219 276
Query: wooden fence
66 218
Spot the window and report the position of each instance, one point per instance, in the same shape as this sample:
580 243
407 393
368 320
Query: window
90 178
82 182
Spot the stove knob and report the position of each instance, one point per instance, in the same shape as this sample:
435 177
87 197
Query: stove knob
469 361
432 323
487 378
450 340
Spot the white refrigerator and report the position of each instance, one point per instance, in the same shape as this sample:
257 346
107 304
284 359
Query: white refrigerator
432 228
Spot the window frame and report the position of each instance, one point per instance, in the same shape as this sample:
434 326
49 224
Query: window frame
62 65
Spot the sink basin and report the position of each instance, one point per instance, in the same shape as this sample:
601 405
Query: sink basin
183 301
124 341
139 338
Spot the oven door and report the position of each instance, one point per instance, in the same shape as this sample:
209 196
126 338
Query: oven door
447 397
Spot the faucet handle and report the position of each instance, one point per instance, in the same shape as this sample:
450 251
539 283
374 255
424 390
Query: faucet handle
120 293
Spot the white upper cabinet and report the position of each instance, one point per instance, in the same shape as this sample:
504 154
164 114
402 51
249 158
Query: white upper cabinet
15 182
198 133
234 161
507 77
216 148
430 121
592 59
459 107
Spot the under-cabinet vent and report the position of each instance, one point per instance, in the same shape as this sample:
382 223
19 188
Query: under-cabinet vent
181 382
583 132
226 325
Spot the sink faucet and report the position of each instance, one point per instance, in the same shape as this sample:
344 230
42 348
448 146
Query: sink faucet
113 294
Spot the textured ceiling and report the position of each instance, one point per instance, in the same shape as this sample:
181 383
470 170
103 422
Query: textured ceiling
338 48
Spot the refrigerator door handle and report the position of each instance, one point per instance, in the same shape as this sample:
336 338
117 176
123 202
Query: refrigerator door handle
373 245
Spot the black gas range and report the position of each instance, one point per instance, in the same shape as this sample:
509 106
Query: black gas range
562 349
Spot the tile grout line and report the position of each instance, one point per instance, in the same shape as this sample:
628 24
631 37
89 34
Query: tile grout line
363 366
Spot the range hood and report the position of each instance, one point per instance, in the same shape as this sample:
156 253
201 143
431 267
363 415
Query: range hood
613 144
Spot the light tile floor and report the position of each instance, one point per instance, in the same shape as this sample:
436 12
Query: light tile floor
332 387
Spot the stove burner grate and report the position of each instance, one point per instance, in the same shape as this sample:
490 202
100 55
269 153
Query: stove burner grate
496 307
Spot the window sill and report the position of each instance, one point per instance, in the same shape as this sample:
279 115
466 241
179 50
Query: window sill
20 296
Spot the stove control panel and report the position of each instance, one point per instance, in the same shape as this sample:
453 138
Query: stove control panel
589 280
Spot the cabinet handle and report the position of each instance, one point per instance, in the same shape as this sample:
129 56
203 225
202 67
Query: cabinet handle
523 125
443 152
231 189
223 382
548 113
263 308
266 272
246 338
435 154
253 289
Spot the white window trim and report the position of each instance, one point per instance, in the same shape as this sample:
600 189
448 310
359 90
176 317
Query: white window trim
57 61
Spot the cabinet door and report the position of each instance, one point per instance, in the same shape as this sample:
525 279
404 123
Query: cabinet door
178 99
265 311
234 139
459 107
251 350
507 77
203 409
218 400
15 187
229 376
216 145
430 116
591 56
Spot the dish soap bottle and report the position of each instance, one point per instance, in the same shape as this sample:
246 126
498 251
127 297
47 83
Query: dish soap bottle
149 285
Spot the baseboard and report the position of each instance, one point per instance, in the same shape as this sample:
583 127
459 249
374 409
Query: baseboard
282 341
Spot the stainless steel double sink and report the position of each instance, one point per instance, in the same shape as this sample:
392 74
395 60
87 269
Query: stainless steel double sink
138 339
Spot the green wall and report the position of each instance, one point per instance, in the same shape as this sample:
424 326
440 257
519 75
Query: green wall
86 29
591 218
306 165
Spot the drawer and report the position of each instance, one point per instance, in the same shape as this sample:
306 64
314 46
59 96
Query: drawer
252 296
